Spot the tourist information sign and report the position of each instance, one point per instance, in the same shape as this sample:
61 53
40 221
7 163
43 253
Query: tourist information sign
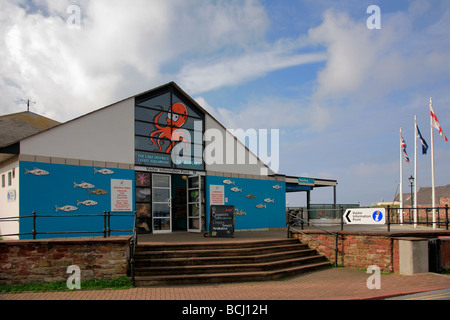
365 216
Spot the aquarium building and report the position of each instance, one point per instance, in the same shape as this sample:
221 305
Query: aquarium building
158 154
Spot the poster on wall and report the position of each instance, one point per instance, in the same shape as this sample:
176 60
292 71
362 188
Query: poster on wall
217 195
121 195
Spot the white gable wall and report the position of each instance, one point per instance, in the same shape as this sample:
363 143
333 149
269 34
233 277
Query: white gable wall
228 161
105 135
9 200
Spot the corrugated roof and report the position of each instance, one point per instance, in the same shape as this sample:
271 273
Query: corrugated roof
17 126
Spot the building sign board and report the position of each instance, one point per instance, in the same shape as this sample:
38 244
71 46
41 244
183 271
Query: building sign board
365 216
11 196
121 195
306 181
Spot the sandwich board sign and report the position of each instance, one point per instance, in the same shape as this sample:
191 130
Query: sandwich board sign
365 216
221 221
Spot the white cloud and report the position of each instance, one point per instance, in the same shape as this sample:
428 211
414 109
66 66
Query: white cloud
120 50
201 77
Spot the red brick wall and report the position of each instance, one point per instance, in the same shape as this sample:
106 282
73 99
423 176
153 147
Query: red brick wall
37 261
362 249
355 250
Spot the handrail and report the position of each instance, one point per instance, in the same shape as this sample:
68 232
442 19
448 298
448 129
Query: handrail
133 243
106 224
335 234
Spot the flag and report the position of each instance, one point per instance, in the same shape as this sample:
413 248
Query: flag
435 123
404 150
422 140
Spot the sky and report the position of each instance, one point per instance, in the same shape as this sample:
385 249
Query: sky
337 90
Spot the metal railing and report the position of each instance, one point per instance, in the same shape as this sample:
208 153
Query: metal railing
418 216
106 231
133 243
421 216
294 220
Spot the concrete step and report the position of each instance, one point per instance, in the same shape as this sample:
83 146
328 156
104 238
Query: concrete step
185 253
227 261
217 259
228 276
223 268
212 245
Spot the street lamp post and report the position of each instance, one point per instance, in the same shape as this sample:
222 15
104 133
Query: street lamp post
411 181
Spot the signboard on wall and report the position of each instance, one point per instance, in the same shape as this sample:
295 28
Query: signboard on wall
121 195
221 221
365 216
306 181
217 195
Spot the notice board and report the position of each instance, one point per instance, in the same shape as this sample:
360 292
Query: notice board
221 221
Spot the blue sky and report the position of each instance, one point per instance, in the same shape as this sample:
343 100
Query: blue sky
337 91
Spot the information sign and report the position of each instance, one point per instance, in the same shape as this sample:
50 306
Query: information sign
365 216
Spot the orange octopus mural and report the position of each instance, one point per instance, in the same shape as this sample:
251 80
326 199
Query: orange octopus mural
176 118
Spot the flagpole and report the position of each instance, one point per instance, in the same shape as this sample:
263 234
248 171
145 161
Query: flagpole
415 171
433 198
401 178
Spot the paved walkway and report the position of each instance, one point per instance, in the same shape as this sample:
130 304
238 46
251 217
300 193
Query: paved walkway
328 284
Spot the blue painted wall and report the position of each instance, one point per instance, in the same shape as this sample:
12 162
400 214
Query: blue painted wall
258 204
55 189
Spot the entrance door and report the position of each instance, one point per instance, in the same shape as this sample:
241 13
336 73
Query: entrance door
161 203
194 204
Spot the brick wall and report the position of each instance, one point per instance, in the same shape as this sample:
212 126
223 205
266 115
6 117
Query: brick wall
37 261
362 249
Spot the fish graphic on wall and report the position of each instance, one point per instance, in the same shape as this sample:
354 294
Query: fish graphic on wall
103 171
37 172
66 208
98 192
250 196
83 185
236 189
260 206
268 200
228 182
277 187
87 203
239 212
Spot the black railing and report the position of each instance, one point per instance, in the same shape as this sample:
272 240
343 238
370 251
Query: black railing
294 220
133 244
422 216
106 231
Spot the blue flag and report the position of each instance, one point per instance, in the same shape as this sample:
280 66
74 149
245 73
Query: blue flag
422 140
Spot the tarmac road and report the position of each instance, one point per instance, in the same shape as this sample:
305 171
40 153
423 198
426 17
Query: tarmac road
427 295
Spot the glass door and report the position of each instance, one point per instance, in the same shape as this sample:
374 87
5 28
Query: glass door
161 203
194 204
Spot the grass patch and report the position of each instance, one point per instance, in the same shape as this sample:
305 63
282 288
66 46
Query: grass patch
115 284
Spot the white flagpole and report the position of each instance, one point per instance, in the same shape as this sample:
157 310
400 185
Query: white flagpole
433 198
401 178
415 171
